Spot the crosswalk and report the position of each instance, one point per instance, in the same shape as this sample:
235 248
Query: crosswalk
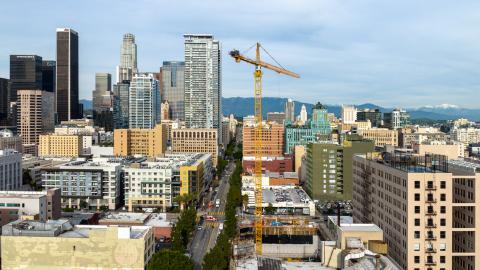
214 213
211 224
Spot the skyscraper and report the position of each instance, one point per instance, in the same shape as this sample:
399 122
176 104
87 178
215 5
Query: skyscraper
102 101
398 118
203 87
48 75
128 59
303 114
349 114
25 73
3 101
67 102
290 111
143 111
173 88
120 104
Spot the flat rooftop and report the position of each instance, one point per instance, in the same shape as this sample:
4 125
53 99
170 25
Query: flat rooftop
126 217
278 195
343 219
159 220
22 194
358 227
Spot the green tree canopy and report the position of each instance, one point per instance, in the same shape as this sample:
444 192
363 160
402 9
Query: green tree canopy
168 259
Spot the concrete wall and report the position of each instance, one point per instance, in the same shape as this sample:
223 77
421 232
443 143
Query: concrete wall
291 250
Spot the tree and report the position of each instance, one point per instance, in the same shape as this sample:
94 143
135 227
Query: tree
244 201
185 199
170 259
103 208
269 210
83 204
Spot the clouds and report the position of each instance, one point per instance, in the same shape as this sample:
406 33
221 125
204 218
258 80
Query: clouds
401 53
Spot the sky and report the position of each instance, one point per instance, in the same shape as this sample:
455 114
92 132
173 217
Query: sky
391 53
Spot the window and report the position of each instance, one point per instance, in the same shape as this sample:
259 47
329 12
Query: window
417 197
442 259
443 222
443 209
417 209
443 197
443 184
417 259
416 234
442 234
417 184
416 247
442 246
417 222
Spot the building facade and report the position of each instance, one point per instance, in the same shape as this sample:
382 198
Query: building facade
426 208
144 109
67 99
398 118
121 95
48 75
381 136
128 59
273 136
102 101
146 142
203 84
10 170
374 115
4 101
278 117
349 114
10 141
53 145
196 140
173 88
25 73
36 114
289 111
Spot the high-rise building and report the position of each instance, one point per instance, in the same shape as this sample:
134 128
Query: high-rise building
121 95
4 101
48 75
317 128
272 140
374 115
143 110
427 206
398 118
329 167
303 114
196 140
67 101
349 114
35 114
10 169
146 142
173 88
128 59
290 111
203 85
102 101
25 73
165 110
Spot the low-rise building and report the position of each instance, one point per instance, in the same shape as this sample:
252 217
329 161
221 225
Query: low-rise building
95 183
381 136
53 145
58 245
10 169
10 141
137 141
280 164
156 183
38 205
273 179
452 150
466 135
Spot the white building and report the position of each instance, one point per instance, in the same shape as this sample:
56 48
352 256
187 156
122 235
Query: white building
349 114
128 59
466 135
144 101
203 83
31 204
96 182
10 169
303 114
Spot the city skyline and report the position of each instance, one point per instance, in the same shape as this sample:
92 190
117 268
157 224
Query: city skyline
419 54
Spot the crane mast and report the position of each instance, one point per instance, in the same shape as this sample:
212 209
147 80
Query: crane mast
258 130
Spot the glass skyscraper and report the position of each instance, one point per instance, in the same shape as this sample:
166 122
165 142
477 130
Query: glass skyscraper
173 88
120 104
144 109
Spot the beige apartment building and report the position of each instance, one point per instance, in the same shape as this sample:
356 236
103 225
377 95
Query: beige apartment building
53 145
147 142
196 140
381 136
273 138
426 205
56 245
35 110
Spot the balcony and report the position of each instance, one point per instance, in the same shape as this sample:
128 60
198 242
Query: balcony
430 187
429 263
430 225
430 250
431 213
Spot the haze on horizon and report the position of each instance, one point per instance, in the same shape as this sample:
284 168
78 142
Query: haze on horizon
404 53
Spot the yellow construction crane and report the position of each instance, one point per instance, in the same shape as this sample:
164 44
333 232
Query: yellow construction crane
258 131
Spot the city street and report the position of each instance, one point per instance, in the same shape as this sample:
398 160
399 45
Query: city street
206 237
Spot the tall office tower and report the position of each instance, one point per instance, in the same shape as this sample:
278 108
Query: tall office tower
349 114
143 111
374 115
3 102
398 118
120 104
25 73
203 86
67 103
36 114
303 114
165 110
102 101
173 88
128 59
290 111
48 75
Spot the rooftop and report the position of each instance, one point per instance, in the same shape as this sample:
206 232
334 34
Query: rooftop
357 227
23 194
125 217
285 194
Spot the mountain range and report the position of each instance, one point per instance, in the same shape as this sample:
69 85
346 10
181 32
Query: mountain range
240 106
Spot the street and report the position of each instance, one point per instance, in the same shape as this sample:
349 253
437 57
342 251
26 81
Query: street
206 237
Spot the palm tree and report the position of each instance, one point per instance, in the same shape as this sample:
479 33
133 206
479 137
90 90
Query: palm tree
185 200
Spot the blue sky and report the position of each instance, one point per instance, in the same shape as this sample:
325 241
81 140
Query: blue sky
392 53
